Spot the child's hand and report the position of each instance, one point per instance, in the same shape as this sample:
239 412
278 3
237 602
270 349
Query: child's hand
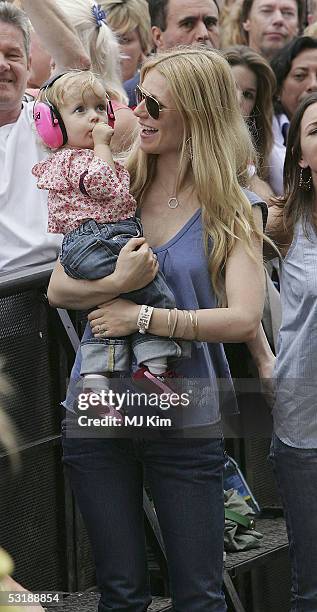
102 133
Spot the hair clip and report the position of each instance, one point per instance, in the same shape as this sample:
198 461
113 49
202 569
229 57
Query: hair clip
99 14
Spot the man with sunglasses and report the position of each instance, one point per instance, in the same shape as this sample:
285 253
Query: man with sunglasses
184 22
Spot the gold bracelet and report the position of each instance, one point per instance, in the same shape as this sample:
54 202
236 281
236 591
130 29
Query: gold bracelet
175 322
181 335
186 320
195 324
190 316
169 327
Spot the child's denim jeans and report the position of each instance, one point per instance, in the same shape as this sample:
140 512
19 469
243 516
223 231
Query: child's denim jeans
90 252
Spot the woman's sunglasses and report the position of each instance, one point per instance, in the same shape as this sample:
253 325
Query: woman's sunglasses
152 105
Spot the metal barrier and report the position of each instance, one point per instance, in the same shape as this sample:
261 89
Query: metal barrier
34 518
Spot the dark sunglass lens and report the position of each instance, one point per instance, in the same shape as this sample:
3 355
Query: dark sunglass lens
152 106
139 95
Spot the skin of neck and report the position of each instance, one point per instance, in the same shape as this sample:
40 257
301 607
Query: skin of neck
10 116
167 171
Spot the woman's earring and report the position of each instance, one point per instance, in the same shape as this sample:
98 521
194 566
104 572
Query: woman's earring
304 184
189 148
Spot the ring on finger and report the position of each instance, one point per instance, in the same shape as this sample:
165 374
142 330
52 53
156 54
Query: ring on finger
103 333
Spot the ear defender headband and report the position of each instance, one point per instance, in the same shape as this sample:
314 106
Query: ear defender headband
48 121
110 113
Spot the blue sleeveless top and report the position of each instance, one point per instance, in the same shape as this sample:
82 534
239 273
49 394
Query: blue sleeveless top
185 267
295 408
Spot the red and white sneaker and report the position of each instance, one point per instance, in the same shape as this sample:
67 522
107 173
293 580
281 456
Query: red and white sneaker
155 383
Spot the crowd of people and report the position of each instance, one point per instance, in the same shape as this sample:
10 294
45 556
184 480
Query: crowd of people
153 149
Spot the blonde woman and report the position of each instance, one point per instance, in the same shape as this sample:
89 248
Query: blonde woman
229 24
207 237
90 23
130 20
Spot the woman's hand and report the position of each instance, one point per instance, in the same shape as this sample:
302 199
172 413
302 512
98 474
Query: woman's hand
266 367
264 360
136 266
265 370
115 318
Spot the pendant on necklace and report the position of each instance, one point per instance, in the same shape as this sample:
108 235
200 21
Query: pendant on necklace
173 202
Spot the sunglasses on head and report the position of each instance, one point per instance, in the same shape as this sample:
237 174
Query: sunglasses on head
152 105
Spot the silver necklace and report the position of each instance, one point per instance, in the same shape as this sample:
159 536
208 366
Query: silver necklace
173 202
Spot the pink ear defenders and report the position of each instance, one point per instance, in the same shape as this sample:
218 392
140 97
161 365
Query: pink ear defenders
111 115
49 123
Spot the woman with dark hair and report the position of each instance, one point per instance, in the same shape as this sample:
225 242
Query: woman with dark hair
293 225
295 68
256 84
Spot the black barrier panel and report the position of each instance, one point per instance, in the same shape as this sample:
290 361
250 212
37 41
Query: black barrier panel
24 344
259 472
32 509
271 586
32 517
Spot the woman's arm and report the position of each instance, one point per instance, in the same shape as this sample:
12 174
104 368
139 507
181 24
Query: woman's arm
136 267
262 354
66 292
238 322
276 231
264 360
261 188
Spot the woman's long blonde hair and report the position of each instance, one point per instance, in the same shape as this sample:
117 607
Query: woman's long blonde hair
220 146
229 24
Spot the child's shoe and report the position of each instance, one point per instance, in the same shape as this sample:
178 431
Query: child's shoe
155 383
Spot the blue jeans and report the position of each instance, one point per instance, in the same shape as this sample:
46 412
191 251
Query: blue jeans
185 478
90 252
296 474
